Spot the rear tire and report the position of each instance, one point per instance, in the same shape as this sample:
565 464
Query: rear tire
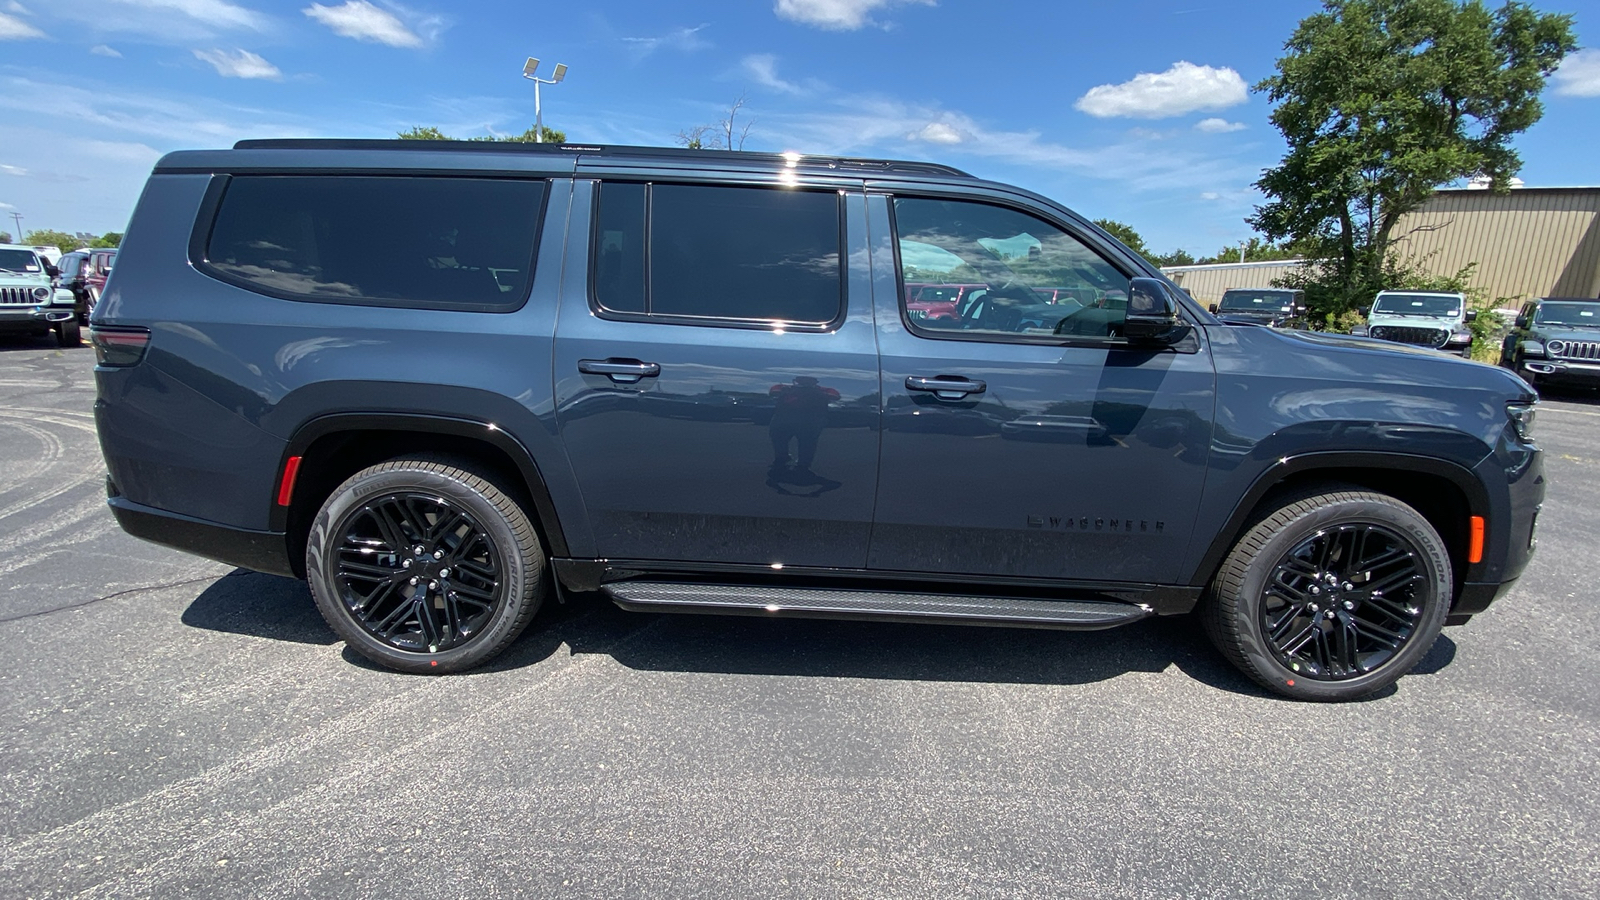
425 565
1332 597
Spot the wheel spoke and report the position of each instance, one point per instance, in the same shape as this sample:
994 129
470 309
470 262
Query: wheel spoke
367 570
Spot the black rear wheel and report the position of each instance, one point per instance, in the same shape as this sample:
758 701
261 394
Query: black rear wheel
1332 597
425 565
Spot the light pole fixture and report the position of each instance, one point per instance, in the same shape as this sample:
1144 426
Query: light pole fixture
17 217
528 70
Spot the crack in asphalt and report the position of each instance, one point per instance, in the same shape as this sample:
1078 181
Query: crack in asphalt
137 590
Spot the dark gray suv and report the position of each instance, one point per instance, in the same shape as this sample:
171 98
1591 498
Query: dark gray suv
1555 341
447 382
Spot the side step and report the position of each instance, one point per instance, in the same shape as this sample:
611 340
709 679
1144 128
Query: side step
1084 615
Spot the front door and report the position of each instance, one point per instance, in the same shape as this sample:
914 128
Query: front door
1023 436
716 379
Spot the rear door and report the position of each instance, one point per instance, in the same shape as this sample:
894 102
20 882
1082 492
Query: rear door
715 370
1027 438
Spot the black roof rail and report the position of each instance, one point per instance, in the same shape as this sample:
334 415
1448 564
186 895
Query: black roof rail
745 157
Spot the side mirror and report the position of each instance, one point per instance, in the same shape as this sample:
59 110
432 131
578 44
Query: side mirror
1152 314
52 271
1522 322
1364 311
1472 315
1213 307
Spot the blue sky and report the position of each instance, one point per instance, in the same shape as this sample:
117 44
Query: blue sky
1135 110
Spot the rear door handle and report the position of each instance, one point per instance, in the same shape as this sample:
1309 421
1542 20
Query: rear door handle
621 371
945 387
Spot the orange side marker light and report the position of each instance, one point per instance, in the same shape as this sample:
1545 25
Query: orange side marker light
291 468
1475 541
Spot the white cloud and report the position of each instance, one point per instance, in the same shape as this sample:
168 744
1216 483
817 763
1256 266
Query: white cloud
936 133
763 67
1218 126
104 50
13 170
4 205
684 40
1579 75
14 29
163 21
1184 88
361 20
239 64
837 15
217 13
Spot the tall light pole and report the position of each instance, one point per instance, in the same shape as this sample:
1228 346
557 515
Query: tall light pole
17 217
528 68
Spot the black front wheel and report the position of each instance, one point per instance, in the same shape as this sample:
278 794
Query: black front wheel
68 333
425 565
1332 597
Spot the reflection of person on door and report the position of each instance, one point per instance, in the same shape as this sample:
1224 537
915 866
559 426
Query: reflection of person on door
800 410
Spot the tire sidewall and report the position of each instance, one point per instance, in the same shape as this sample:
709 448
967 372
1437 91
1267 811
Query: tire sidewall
322 561
1354 511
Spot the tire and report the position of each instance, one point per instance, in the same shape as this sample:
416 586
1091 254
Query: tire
392 531
1274 613
68 334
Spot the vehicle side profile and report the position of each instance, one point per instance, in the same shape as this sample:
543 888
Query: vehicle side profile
30 303
1277 307
1421 318
699 381
84 273
1556 341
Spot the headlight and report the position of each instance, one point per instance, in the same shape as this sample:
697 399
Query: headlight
1359 331
1521 415
41 294
1555 347
1461 337
1533 348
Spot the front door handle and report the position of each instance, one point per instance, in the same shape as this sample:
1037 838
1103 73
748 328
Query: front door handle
620 371
945 387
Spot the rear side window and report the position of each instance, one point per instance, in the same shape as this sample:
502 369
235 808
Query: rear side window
423 242
734 254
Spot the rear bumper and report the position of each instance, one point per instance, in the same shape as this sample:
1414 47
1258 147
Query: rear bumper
261 551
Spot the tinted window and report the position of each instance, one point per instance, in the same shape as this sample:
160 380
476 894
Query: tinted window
19 261
979 269
1257 300
439 243
733 253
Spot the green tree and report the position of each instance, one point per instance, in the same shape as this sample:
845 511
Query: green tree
42 237
1256 250
5 237
1126 235
1382 101
109 239
432 133
1179 257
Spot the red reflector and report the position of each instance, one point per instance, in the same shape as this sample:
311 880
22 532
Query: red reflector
1475 541
286 486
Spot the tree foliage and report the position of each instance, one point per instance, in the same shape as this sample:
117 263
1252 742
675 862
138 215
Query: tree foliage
1125 233
1382 101
41 237
432 133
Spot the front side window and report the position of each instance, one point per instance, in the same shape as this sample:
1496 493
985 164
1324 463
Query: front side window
738 254
978 269
434 243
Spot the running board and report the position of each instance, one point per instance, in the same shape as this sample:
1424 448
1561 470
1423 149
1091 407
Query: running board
1081 615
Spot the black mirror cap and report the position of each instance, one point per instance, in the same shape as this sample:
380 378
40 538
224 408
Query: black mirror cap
1472 315
51 270
1522 322
1213 307
1152 313
1364 311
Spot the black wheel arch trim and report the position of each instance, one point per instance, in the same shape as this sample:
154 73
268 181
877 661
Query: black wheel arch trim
544 508
1479 502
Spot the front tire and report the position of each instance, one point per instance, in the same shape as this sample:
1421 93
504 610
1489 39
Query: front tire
68 334
1332 597
425 565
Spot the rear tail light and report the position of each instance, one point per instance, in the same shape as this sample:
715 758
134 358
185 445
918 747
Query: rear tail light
119 345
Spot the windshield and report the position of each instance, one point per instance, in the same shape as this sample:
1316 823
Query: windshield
20 261
1417 304
1242 301
1568 314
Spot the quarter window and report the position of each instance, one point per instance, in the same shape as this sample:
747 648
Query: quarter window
435 243
975 269
757 255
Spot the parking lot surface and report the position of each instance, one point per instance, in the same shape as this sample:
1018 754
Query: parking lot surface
170 727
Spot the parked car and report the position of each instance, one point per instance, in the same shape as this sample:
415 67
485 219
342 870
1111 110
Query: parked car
84 273
1555 340
724 405
29 301
1277 307
1421 318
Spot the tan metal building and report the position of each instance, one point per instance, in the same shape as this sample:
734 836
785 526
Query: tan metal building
1531 242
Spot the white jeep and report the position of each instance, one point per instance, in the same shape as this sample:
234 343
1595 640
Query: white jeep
30 303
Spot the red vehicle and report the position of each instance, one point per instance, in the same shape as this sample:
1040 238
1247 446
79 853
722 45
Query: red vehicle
933 302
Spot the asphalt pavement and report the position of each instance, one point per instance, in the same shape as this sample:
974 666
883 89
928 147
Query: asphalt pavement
172 727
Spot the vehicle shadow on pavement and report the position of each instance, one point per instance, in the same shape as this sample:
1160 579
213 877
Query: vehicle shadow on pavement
42 342
268 606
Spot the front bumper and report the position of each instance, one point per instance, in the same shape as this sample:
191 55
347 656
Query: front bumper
1560 371
20 317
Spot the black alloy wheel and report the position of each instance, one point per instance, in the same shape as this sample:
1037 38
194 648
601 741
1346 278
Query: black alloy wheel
425 564
417 572
1343 602
1334 595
